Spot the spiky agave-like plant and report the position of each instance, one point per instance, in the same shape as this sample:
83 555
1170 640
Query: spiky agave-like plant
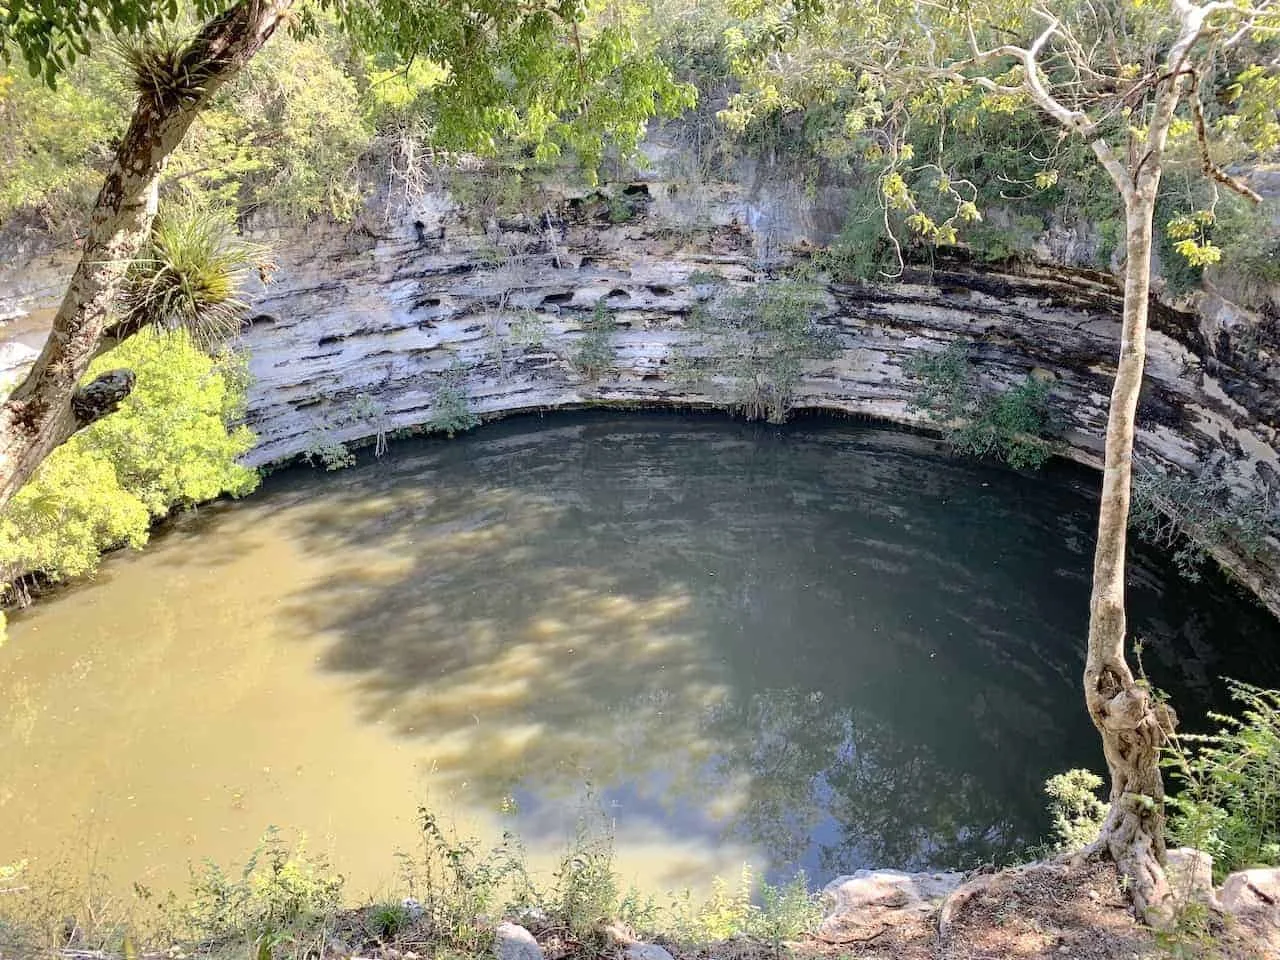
162 65
192 275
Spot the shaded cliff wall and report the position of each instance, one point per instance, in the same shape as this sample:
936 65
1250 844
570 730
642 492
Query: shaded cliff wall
353 336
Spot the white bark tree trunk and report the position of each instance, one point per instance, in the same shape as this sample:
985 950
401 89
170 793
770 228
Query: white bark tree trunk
1132 727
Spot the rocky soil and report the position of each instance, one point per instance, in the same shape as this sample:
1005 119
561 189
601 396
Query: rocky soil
1040 911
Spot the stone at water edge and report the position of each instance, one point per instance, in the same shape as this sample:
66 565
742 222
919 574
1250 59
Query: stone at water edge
513 942
882 890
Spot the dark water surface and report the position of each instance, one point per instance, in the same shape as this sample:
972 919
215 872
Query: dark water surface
820 646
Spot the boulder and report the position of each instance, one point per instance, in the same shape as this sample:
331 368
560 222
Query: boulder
513 942
646 951
1252 891
869 895
1190 874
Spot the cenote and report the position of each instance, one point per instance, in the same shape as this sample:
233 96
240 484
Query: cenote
822 646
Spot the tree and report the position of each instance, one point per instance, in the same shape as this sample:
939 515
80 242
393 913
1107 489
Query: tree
1128 79
538 69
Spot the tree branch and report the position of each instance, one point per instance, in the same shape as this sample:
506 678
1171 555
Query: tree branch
1211 169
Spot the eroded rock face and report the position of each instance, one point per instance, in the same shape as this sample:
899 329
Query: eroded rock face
1248 890
364 323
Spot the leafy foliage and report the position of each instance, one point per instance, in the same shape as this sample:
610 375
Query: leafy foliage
947 143
593 355
55 142
328 452
169 445
51 37
288 133
1188 515
279 893
1228 797
783 912
757 343
549 77
1013 425
451 411
1076 810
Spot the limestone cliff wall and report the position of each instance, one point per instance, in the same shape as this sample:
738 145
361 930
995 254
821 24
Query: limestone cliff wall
353 336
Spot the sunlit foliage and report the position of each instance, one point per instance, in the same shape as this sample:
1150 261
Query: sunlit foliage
169 445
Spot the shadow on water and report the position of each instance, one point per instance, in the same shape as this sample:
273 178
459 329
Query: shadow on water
833 644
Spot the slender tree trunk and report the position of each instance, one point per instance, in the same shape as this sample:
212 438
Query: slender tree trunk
48 407
1132 727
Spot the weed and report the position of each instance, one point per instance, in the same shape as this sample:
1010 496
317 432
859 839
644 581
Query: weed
451 412
386 920
457 882
281 896
1228 801
782 913
1013 425
594 355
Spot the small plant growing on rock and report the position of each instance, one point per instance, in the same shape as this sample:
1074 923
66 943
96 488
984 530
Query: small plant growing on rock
528 330
1188 516
757 342
451 412
594 354
323 450
1013 425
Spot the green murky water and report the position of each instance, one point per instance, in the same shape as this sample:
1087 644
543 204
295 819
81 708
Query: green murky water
822 646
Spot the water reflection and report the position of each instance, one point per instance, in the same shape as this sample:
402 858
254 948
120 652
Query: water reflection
819 646
832 646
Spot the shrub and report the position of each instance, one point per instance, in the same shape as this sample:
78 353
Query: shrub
594 353
1228 797
1187 516
1077 812
1013 425
171 444
328 452
451 412
758 342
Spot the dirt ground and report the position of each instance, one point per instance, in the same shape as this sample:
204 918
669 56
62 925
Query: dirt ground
1047 912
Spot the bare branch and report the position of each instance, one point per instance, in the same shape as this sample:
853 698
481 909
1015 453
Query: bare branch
1210 168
